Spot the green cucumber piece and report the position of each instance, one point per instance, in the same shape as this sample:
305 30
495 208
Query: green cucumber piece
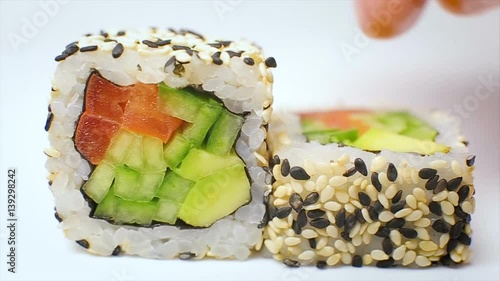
133 185
106 208
216 196
181 104
224 132
199 164
135 156
175 150
153 154
100 181
119 148
167 211
130 212
196 132
174 187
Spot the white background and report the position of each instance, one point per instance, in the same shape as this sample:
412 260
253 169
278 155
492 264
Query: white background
439 63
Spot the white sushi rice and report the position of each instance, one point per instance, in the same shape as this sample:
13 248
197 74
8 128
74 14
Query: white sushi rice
243 88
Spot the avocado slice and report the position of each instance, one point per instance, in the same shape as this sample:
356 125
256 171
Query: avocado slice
376 139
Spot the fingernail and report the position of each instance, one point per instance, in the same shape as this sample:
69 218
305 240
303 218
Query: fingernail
469 6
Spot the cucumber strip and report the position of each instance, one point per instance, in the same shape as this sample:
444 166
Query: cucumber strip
224 132
100 182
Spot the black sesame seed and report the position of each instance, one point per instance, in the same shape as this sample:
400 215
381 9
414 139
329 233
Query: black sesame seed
345 235
83 243
71 49
302 219
435 208
392 172
375 182
272 210
296 228
460 213
170 62
48 122
357 261
215 45
471 159
359 216
372 213
299 173
150 44
291 263
378 207
263 222
61 57
396 223
385 263
440 226
468 218
457 229
72 43
340 218
105 34
116 251
440 186
452 244
120 33
453 184
408 232
275 160
463 193
283 212
312 243
192 32
397 197
139 67
398 206
350 222
216 58
432 183
88 34
314 214
446 260
224 43
110 40
360 166
320 223
58 218
285 168
88 48
350 172
383 231
271 62
185 48
234 54
321 264
387 245
186 255
179 70
464 239
427 173
312 198
163 42
117 51
364 199
296 202
249 61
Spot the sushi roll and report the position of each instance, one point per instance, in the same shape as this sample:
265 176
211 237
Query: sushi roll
157 144
379 188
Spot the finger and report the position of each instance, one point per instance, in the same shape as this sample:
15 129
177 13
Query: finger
466 7
387 18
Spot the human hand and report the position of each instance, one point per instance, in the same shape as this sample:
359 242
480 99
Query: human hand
388 18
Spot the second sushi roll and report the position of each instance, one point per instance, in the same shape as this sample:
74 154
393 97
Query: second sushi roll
360 187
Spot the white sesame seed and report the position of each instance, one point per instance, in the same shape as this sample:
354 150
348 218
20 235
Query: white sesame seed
467 207
330 216
385 216
357 182
321 232
440 196
399 253
373 228
272 230
438 164
357 240
411 201
271 246
321 243
343 159
309 233
292 241
366 215
411 244
321 182
395 237
182 56
391 191
278 257
52 152
332 231
280 191
409 257
443 240
367 259
453 198
378 163
262 69
355 230
310 186
468 229
340 245
280 223
326 251
356 204
337 181
440 252
465 254
424 208
294 250
289 232
279 242
324 168
338 169
447 208
449 219
342 196
419 195
346 258
415 215
351 248
297 187
349 208
456 167
414 176
372 192
423 222
326 194
333 259
382 178
383 200
364 184
367 238
422 233
353 191
428 246
379 255
422 261
280 201
332 206
307 255
259 244
403 213
312 207
309 167
455 256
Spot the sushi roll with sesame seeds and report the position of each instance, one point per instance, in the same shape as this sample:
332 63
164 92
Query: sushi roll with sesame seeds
358 187
157 144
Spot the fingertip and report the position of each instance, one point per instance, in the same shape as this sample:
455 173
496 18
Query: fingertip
469 7
387 18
